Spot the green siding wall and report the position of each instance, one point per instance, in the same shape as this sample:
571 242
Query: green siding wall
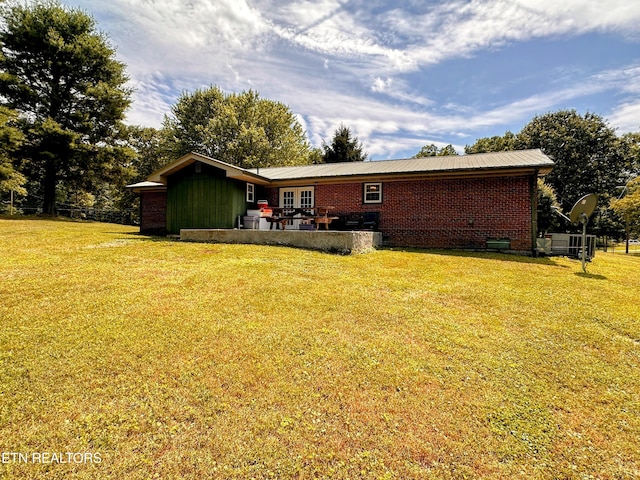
203 200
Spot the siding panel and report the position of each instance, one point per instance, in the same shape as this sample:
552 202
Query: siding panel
203 200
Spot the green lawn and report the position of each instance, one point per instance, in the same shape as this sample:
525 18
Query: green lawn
161 359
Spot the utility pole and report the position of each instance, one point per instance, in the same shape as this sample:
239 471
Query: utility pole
626 231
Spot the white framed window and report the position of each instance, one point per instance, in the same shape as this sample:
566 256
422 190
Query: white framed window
372 193
306 198
251 192
287 198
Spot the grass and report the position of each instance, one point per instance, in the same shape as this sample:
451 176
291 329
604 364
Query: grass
620 248
181 360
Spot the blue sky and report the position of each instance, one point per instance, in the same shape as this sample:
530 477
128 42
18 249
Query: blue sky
399 73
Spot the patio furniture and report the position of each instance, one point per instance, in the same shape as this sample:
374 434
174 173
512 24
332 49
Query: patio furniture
283 216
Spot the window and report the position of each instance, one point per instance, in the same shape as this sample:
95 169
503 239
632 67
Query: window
288 199
306 198
373 193
250 193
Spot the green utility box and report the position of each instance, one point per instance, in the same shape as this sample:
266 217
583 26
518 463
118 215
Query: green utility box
498 244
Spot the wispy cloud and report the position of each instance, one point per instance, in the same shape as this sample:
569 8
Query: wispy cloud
355 62
626 117
197 24
400 90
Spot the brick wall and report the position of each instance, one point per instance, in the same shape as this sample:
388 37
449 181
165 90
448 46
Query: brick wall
153 213
454 213
271 195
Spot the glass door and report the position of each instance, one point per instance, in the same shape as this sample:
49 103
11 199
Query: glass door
297 197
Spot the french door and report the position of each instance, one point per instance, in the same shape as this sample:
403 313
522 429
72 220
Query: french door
298 197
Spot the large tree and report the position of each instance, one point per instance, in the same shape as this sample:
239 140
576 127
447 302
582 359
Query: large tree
11 139
497 143
433 151
548 221
151 150
630 148
627 206
61 76
585 149
344 147
241 129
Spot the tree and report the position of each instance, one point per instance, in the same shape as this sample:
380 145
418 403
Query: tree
316 156
587 154
150 153
630 148
588 157
627 206
344 147
623 218
62 78
584 149
151 150
433 151
11 139
507 142
240 129
185 128
548 220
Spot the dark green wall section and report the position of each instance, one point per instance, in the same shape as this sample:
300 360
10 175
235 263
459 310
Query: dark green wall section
202 197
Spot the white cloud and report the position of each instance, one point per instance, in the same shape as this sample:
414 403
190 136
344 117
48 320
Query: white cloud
626 117
183 38
153 97
580 16
340 61
197 23
381 85
461 28
399 90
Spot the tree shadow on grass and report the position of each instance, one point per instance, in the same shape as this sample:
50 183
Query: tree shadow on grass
591 276
143 237
483 255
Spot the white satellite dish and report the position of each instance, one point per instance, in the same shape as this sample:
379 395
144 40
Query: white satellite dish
581 211
583 208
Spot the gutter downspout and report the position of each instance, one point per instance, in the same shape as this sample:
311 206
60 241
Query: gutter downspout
534 212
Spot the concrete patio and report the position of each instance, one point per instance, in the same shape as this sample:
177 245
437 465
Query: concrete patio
326 241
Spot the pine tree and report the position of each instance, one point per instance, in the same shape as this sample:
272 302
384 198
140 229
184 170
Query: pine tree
344 147
61 77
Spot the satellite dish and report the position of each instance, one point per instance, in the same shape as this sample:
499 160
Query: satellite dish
581 212
583 209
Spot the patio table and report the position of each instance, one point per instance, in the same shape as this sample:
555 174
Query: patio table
319 215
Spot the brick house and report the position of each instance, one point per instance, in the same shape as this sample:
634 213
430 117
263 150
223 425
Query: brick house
435 202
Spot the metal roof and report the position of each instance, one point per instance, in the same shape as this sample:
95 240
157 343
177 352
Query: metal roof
453 164
449 163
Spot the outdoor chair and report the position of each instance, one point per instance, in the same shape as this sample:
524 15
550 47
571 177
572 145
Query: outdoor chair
370 221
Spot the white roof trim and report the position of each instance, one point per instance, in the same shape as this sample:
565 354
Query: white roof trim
231 171
145 184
